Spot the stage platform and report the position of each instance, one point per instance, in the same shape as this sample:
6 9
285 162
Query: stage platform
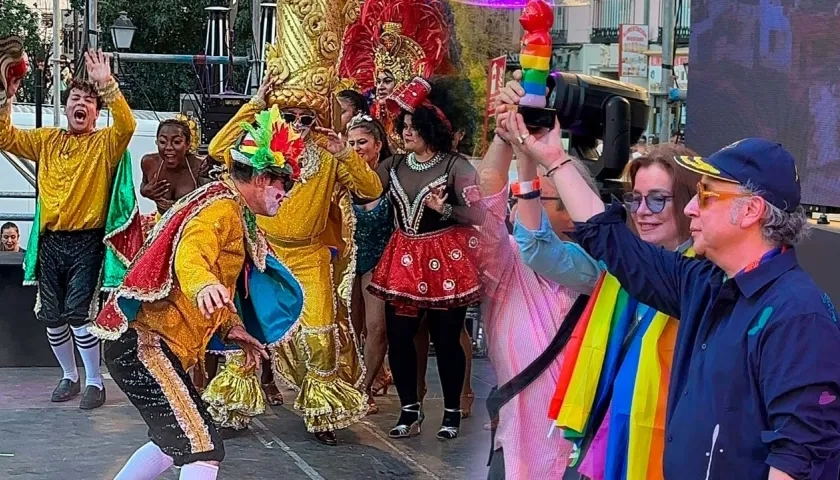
40 440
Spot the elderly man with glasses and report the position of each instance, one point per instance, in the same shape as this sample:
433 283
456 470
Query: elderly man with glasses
755 375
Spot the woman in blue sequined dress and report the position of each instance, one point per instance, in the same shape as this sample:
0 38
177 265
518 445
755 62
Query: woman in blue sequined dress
374 226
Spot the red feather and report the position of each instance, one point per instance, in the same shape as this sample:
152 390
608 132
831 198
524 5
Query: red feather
291 149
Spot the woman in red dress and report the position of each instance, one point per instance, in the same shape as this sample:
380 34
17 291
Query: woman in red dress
429 266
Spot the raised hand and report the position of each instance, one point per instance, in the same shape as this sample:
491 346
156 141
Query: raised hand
436 200
214 297
265 88
511 94
334 144
98 67
544 148
254 351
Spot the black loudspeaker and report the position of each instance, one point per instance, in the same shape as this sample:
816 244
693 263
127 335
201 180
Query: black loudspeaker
217 111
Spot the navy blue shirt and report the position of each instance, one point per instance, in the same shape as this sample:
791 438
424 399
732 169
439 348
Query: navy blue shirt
756 374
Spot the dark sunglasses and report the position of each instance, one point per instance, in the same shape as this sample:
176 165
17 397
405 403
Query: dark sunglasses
305 120
655 201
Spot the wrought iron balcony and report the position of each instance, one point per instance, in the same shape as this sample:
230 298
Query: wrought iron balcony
607 16
683 34
604 35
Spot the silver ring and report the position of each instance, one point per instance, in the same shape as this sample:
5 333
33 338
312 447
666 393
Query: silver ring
523 137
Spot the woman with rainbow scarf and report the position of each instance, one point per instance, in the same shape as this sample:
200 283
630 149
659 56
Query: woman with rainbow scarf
610 399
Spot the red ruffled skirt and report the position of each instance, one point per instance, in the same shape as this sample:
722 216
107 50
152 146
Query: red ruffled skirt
435 270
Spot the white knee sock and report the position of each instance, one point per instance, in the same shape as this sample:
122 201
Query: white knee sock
62 347
199 471
147 463
88 346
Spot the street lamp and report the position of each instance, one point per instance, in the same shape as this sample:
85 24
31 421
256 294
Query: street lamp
122 32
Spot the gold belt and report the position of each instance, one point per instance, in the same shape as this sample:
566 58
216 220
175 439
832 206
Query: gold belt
280 242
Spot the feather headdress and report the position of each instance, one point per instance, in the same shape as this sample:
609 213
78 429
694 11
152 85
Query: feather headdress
271 144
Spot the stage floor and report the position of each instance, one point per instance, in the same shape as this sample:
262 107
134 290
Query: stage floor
45 441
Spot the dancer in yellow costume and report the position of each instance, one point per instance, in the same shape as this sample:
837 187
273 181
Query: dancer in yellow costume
315 237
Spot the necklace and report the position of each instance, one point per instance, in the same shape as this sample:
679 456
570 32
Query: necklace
413 164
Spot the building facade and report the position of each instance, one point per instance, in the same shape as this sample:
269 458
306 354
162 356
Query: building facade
586 40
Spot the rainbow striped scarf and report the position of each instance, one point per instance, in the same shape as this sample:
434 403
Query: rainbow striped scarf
594 376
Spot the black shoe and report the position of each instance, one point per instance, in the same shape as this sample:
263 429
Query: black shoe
66 390
409 423
327 438
451 424
227 432
94 397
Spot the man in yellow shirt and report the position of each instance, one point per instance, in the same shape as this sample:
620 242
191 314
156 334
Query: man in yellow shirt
180 290
313 235
76 169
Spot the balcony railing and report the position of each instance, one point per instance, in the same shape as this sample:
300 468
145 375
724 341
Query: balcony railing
607 15
683 25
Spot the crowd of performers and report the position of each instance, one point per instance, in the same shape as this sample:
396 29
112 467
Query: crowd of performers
335 223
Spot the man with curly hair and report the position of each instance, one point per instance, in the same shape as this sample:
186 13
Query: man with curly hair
78 166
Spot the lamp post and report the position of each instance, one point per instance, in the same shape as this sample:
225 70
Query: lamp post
122 32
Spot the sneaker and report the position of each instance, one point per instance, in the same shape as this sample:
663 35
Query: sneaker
66 390
94 397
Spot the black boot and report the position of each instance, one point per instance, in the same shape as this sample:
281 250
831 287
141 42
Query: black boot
411 417
451 424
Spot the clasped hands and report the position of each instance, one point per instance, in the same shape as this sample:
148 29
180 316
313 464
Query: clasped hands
544 147
215 297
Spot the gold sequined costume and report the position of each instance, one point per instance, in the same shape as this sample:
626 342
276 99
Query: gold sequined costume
209 238
201 241
321 359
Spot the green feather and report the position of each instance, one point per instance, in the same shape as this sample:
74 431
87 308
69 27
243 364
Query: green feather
262 159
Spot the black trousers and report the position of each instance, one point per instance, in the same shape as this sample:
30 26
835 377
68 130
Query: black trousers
445 328
497 466
69 269
154 381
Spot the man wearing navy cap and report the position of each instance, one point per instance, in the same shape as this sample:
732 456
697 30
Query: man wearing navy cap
756 372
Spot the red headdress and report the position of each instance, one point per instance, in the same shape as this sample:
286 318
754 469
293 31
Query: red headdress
408 38
412 95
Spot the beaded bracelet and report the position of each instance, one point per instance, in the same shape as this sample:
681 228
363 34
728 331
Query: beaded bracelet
447 212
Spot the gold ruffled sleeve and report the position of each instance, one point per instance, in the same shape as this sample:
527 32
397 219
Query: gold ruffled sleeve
356 175
221 144
22 143
234 395
120 133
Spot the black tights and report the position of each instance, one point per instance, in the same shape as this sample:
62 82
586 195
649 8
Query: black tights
445 330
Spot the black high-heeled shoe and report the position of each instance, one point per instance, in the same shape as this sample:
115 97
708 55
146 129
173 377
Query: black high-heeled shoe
451 424
411 418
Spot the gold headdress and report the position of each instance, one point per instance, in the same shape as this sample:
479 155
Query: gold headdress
195 135
398 54
408 38
304 59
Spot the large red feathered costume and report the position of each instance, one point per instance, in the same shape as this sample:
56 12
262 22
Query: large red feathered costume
408 38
